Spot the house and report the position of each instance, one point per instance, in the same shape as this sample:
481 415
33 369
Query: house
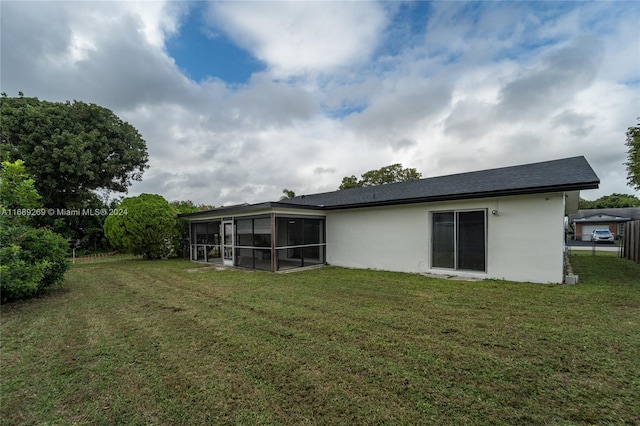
504 223
584 222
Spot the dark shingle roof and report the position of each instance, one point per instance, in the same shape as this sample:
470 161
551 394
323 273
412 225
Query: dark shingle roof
567 174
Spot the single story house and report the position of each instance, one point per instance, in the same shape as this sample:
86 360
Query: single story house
504 223
584 222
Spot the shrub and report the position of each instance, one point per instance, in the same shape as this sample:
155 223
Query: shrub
144 225
18 279
31 259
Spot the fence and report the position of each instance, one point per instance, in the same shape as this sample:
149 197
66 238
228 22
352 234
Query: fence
631 241
102 257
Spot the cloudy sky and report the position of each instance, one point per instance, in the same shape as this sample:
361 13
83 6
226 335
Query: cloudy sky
238 100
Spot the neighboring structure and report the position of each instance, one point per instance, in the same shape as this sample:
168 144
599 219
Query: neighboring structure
505 223
584 222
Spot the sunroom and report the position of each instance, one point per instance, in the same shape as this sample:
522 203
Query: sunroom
270 241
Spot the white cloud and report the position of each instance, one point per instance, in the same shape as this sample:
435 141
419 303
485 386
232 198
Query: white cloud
295 38
484 85
159 19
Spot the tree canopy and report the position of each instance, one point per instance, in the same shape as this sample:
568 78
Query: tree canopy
287 193
144 225
74 150
633 156
71 148
387 174
611 202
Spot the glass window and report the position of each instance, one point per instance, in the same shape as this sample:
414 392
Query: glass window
471 241
443 253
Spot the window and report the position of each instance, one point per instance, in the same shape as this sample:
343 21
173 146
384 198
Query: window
459 240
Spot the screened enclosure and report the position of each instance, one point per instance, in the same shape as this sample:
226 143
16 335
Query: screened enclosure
268 242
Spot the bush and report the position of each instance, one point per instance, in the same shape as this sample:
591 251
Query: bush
18 279
31 259
145 225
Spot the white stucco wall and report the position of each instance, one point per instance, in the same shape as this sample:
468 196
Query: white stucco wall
524 241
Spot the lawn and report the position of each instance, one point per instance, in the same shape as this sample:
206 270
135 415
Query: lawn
172 342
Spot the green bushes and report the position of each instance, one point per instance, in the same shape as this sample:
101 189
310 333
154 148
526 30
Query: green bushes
30 258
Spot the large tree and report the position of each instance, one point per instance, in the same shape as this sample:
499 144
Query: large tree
387 174
71 148
144 225
633 156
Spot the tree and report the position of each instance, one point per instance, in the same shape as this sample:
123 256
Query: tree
633 156
73 150
30 258
389 174
144 225
350 182
287 194
611 201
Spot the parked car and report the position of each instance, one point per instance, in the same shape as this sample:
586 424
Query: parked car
602 236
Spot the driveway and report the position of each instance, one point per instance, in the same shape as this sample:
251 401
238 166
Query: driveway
588 245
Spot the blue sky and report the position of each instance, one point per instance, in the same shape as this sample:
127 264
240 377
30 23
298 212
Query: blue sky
202 53
238 100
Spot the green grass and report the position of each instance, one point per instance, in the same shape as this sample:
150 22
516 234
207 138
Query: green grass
171 342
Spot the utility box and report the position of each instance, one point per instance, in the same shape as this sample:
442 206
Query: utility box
571 279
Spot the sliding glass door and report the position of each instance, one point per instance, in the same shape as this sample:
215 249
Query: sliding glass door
459 240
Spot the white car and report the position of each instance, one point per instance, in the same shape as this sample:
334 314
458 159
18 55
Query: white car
602 236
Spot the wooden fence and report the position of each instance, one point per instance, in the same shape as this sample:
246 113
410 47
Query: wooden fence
631 241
